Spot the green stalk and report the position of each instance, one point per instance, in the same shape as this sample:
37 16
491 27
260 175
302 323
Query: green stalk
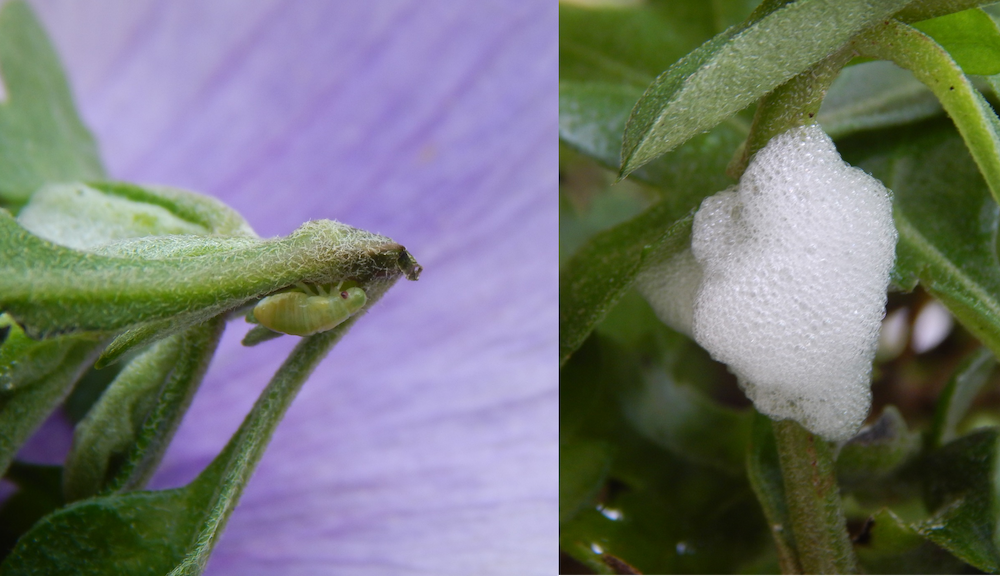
811 511
813 500
917 52
794 103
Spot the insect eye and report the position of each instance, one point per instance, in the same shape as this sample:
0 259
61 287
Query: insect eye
343 295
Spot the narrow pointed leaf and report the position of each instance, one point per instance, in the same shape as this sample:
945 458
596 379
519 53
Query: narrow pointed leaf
592 119
71 290
958 394
602 271
259 334
737 67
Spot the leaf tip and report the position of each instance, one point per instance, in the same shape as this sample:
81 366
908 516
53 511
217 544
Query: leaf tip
409 266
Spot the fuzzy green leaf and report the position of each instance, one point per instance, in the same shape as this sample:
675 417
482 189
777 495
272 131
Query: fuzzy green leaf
749 60
170 531
93 217
602 271
72 291
122 439
35 377
41 137
592 119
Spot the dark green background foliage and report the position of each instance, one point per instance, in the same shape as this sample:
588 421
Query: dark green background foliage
660 452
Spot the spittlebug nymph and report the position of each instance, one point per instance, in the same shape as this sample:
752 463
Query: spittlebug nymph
308 310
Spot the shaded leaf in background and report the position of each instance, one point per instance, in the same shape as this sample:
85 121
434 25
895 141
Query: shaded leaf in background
946 218
961 490
867 462
41 138
681 419
39 494
954 401
633 44
715 523
875 95
890 546
970 36
583 470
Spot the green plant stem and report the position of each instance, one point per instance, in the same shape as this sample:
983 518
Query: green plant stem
794 103
975 119
764 473
233 467
813 500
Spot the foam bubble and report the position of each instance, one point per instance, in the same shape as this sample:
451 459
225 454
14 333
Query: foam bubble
671 286
795 263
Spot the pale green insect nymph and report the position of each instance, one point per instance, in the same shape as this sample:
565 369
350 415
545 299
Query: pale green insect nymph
307 310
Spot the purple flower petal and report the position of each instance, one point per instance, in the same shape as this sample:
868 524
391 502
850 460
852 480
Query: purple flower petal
426 442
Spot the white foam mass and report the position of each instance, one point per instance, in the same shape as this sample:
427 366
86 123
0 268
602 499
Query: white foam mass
795 264
671 286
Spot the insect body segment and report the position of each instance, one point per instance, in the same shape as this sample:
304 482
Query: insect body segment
308 310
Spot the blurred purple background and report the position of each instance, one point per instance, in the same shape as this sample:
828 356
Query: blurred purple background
427 441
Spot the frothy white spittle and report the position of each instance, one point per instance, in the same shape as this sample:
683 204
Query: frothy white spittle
795 263
671 286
